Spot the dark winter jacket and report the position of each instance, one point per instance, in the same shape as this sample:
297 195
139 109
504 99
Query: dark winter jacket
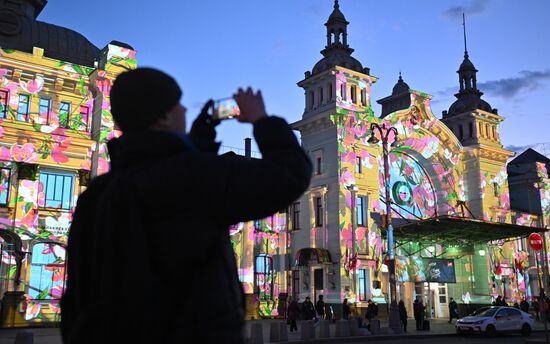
293 310
149 255
308 311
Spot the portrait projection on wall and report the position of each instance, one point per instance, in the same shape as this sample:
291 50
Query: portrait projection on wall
418 269
410 187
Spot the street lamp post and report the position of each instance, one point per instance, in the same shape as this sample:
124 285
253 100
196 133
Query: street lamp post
394 322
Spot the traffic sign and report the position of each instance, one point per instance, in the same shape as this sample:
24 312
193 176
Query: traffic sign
535 241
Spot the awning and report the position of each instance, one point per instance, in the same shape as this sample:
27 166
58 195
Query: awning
305 255
453 230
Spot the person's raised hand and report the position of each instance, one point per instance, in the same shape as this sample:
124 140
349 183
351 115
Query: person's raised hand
251 105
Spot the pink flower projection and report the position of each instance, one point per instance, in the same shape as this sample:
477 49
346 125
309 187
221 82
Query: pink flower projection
33 86
25 153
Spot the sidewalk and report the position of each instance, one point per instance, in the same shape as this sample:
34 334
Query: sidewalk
439 328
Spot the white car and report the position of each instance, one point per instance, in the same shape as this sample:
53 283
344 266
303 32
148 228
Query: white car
490 320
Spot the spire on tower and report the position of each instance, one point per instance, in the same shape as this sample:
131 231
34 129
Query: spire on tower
464 26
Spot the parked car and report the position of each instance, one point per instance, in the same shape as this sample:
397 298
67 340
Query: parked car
490 320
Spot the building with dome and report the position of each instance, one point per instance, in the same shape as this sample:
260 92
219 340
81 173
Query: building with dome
461 211
54 122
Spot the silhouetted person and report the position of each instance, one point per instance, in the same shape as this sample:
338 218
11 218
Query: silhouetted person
293 314
320 307
346 310
371 310
416 312
151 232
403 315
536 308
308 311
524 305
516 305
453 310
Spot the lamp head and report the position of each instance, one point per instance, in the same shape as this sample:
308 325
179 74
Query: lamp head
372 139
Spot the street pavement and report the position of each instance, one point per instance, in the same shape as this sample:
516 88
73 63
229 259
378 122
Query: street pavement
440 332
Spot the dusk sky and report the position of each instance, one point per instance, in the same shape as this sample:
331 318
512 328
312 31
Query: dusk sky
212 47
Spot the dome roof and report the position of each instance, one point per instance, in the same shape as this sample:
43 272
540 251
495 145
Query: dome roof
23 33
337 57
467 65
337 15
400 87
467 103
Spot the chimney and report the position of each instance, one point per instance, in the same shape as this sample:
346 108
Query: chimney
248 148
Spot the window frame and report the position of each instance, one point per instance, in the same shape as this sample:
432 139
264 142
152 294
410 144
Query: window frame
67 125
8 182
295 216
87 121
4 101
49 107
353 94
364 97
361 211
28 105
358 165
318 204
363 279
268 271
62 201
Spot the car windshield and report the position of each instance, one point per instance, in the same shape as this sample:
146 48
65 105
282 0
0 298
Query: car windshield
485 312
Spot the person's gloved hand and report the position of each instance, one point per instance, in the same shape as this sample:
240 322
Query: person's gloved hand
202 131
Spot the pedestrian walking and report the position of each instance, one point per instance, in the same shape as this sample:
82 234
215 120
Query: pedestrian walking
421 314
160 179
320 308
453 310
536 308
307 309
524 305
403 315
346 310
293 315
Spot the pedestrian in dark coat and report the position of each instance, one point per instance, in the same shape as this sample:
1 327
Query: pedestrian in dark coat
320 308
524 305
293 314
157 223
403 315
371 310
536 308
416 314
453 310
308 311
346 310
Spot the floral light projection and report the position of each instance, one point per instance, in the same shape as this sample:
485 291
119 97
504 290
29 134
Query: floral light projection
48 125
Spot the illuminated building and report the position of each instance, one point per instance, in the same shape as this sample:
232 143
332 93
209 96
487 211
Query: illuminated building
54 121
449 193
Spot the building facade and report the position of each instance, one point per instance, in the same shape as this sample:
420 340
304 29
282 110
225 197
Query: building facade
451 174
54 122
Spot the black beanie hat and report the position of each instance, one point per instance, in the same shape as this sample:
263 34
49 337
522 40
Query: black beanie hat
142 96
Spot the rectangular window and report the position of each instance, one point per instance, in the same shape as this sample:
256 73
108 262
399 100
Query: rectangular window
4 104
318 211
471 129
363 280
460 132
295 215
343 91
44 110
321 95
23 108
64 113
329 91
364 97
83 118
5 174
359 165
319 166
58 190
353 91
361 211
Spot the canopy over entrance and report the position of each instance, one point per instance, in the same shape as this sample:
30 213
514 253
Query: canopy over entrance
453 230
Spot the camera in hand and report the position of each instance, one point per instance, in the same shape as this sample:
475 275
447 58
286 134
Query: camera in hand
225 108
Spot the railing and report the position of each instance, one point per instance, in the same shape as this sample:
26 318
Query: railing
239 151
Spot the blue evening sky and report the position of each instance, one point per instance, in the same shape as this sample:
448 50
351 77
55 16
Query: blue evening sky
214 46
